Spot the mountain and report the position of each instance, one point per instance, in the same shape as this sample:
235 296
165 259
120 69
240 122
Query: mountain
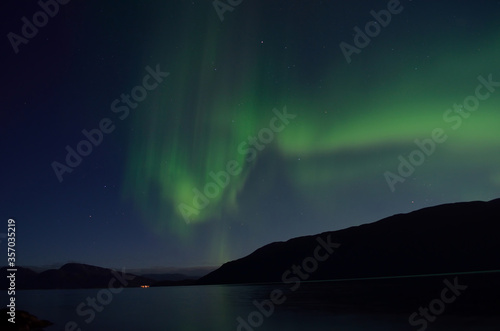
449 238
74 275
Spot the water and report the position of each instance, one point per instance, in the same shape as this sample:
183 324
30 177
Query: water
190 308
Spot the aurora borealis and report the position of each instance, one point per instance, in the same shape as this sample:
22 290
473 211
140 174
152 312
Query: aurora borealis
140 198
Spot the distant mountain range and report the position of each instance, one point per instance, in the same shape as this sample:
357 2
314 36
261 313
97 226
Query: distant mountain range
77 275
450 238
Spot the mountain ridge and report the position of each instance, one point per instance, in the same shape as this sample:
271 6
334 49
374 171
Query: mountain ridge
452 237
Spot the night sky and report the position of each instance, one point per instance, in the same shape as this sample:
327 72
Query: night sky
204 139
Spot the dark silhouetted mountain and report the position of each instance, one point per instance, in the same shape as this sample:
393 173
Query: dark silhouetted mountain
449 238
74 275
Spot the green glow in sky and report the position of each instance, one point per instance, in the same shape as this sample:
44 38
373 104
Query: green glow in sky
350 126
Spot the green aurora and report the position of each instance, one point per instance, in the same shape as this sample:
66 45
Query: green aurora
350 127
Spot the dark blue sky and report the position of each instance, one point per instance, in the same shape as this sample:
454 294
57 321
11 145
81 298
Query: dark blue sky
337 161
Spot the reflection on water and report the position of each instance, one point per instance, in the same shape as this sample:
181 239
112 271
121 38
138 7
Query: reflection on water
213 308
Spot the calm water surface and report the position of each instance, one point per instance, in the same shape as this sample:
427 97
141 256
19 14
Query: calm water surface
209 308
